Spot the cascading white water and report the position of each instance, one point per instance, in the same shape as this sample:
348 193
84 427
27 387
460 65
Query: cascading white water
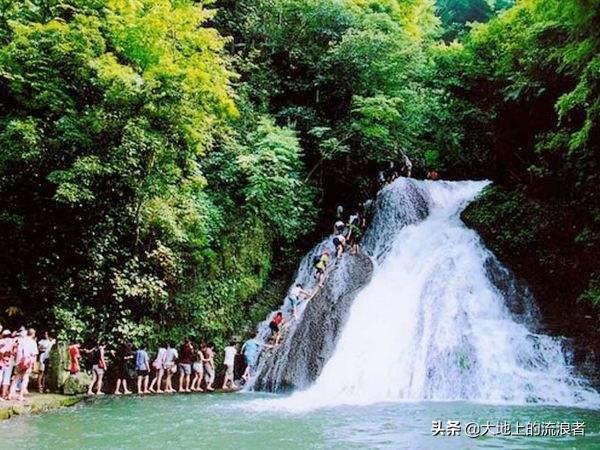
431 325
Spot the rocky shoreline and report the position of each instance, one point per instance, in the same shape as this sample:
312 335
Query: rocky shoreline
38 403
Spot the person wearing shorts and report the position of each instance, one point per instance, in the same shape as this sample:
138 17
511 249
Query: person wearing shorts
208 361
7 358
158 365
186 358
297 294
124 356
229 361
275 327
320 267
170 367
26 355
142 369
98 369
197 371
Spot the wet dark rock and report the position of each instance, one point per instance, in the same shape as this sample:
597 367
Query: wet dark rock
308 345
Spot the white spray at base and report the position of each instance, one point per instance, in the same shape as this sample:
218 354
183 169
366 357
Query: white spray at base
432 326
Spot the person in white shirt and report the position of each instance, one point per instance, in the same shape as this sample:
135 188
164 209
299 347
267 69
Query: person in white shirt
230 352
297 294
170 367
44 347
26 355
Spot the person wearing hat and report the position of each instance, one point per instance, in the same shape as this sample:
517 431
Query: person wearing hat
7 344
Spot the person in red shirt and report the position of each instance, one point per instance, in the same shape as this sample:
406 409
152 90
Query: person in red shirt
74 357
186 358
275 326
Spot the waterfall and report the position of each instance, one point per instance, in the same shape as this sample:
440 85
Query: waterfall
440 318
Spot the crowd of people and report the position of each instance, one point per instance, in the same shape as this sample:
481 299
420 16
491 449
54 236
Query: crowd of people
191 368
20 355
345 238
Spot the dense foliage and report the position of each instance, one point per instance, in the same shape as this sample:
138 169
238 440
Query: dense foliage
527 86
162 162
112 114
524 104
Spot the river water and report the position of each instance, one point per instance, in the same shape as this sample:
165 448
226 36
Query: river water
224 421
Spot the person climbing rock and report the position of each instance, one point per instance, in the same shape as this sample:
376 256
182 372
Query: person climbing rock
297 294
251 351
339 241
354 219
367 212
354 235
338 227
275 327
320 266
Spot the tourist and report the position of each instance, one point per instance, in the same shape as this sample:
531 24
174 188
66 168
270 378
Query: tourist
406 165
432 174
297 294
275 327
124 356
320 266
339 241
74 357
170 367
44 347
209 366
142 369
251 351
159 369
198 371
354 235
186 358
229 361
7 357
25 357
339 211
339 227
99 366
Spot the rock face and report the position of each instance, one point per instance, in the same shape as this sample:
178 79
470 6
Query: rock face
58 365
309 343
77 383
59 379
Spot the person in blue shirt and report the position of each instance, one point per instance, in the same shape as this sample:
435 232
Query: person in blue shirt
142 368
251 351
